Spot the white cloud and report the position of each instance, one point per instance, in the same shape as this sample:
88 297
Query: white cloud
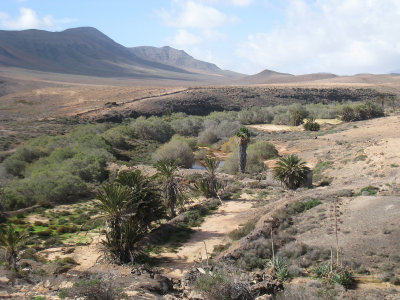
231 2
183 38
340 36
196 15
28 19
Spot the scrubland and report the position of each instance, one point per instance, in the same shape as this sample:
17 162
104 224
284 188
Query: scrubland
115 210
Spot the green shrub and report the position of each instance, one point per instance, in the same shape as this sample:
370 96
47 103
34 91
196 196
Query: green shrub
343 277
256 154
371 190
347 114
221 285
243 230
66 229
46 232
255 254
322 271
263 150
208 137
119 136
187 125
177 151
57 186
152 128
311 125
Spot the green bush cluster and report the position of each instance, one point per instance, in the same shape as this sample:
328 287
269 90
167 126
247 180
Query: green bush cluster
152 128
57 169
359 112
257 153
178 150
311 125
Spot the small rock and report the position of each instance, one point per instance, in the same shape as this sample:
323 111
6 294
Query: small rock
170 297
160 284
66 285
264 297
4 279
4 294
194 296
47 284
266 287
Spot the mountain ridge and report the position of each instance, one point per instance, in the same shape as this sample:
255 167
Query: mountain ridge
82 51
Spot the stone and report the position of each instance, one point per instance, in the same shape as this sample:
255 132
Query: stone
195 296
268 286
264 297
4 279
66 285
4 294
160 285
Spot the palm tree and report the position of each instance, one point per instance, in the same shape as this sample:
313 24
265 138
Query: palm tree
130 205
145 203
172 190
12 241
291 171
211 165
243 139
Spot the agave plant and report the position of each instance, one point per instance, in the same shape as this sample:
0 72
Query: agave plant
243 139
291 171
173 195
12 241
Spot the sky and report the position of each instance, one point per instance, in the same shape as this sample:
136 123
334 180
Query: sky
344 37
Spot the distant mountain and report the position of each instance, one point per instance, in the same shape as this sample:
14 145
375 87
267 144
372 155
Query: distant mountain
87 51
270 77
83 51
173 57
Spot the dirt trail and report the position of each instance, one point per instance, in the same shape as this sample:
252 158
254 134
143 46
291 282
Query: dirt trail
212 232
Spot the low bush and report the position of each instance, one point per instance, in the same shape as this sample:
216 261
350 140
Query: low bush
255 254
311 125
46 232
369 190
152 128
359 112
243 230
176 150
187 125
92 289
221 285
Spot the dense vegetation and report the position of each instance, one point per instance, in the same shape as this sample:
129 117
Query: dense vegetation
65 168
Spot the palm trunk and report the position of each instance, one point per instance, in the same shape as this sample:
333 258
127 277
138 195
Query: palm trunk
171 199
242 155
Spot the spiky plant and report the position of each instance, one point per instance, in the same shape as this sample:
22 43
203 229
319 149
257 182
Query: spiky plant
130 206
12 241
291 171
173 195
243 140
211 165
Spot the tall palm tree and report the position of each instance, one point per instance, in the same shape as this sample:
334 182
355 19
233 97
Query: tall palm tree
243 139
291 171
211 165
12 241
172 189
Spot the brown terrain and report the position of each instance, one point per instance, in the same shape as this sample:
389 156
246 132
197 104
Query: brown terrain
44 98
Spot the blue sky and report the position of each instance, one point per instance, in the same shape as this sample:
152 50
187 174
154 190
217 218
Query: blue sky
248 36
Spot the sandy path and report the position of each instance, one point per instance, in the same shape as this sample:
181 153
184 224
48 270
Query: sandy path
213 231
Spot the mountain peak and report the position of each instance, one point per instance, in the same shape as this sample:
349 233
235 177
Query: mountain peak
174 57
